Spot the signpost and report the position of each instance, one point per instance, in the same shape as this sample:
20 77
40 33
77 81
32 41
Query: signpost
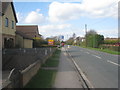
61 37
50 42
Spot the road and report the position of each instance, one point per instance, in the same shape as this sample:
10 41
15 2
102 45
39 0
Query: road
100 68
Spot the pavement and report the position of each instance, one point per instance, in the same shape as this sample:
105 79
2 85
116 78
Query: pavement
100 68
66 77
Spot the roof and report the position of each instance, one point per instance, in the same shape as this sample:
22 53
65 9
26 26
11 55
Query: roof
23 35
5 6
29 30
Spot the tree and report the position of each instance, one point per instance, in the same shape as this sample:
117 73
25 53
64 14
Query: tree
70 41
74 35
91 32
93 39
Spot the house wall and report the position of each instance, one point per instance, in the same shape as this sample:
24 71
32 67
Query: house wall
0 41
23 43
19 41
8 36
28 43
0 27
8 32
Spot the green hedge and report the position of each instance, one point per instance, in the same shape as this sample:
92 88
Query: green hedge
114 48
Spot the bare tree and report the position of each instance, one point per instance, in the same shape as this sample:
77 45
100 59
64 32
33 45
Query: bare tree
74 35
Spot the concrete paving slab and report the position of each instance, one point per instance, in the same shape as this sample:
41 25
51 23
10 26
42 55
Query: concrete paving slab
67 76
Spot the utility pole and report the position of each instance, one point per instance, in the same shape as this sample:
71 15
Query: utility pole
86 34
67 37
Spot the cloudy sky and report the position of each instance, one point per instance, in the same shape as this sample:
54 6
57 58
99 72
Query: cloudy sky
65 17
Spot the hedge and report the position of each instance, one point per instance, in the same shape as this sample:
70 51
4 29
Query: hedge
114 48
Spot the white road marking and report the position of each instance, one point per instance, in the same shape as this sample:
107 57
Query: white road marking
65 53
68 46
85 78
97 56
63 49
113 62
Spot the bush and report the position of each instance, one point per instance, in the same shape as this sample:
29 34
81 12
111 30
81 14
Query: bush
113 48
94 40
111 41
39 43
83 43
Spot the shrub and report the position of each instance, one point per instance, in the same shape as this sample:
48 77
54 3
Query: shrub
114 48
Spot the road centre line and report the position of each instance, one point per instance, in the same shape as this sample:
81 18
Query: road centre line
107 60
113 62
96 56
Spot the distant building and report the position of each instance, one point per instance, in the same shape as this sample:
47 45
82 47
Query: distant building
111 38
80 39
8 23
29 30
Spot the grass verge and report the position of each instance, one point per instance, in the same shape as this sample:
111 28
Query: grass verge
104 50
53 61
45 78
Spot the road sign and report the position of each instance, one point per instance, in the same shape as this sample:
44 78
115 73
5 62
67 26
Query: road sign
62 37
50 42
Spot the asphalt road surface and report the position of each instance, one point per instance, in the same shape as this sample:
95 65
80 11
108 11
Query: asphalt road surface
100 68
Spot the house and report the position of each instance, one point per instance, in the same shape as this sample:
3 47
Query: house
23 41
25 34
8 23
29 30
80 39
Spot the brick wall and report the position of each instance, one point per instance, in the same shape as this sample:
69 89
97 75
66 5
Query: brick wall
22 58
27 61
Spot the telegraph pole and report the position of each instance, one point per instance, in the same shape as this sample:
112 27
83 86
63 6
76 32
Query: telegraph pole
67 37
86 34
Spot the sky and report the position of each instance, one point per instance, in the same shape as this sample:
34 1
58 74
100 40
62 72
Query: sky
65 17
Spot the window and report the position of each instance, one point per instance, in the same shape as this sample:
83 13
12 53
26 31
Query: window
12 24
6 22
